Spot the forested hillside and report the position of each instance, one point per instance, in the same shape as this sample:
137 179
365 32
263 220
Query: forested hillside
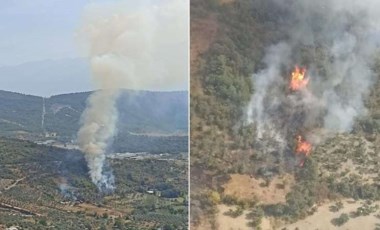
148 121
20 112
230 169
52 187
221 84
139 112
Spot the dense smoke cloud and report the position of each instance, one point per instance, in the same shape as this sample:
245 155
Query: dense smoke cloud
336 41
98 128
136 47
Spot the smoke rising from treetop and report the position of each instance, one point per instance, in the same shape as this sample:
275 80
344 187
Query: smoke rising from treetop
142 48
337 41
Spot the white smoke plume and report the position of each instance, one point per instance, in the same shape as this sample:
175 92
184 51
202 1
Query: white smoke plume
337 41
130 45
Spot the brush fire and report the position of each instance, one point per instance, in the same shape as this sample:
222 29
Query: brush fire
298 79
286 114
335 50
303 147
122 56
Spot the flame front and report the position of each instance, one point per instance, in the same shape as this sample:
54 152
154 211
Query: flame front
303 147
298 80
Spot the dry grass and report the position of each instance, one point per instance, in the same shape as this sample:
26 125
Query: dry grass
229 223
202 35
91 209
321 220
245 187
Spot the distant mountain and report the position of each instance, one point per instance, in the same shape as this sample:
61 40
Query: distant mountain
140 112
47 77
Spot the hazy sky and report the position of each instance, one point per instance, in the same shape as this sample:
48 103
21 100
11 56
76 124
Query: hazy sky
34 30
38 31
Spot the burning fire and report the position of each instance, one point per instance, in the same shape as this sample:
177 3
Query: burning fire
303 147
298 80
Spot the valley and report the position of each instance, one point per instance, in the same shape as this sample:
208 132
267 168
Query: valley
44 177
49 187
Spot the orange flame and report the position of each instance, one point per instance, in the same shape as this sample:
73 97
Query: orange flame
298 80
303 147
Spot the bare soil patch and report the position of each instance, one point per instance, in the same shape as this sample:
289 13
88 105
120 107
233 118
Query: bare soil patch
225 222
321 219
91 209
246 187
203 33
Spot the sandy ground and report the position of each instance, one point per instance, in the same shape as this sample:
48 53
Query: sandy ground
91 209
225 222
321 220
204 225
228 223
247 187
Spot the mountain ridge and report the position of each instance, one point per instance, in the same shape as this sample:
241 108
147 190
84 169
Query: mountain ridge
167 112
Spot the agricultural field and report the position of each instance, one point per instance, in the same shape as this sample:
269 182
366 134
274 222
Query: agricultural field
47 187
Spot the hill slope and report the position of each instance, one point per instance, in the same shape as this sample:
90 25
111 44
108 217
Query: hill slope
139 112
47 77
52 187
230 40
